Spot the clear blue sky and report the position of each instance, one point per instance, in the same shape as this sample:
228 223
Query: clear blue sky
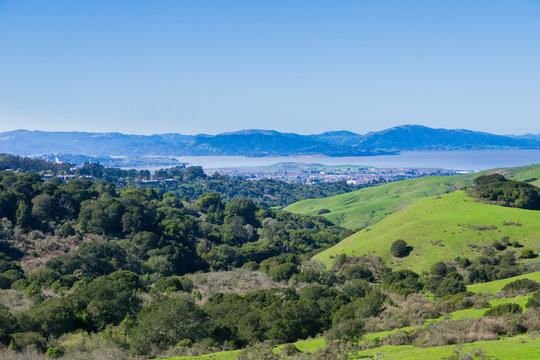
301 66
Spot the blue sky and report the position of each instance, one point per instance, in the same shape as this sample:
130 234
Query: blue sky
300 66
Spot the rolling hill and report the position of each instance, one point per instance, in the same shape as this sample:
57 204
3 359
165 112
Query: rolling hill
367 206
440 228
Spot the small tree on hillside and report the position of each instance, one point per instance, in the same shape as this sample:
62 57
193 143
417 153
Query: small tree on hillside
400 248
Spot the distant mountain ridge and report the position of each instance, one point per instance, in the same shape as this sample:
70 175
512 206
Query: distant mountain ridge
253 142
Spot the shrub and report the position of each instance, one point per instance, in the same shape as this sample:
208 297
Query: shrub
323 211
527 253
358 272
534 301
54 352
439 268
403 282
524 286
400 248
282 272
32 340
66 230
504 309
463 262
450 286
348 330
289 350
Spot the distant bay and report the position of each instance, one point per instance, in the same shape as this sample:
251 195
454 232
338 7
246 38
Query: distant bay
454 160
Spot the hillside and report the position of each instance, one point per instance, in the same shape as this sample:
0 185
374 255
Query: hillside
367 206
441 228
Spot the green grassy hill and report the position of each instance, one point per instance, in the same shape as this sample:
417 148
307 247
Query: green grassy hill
368 206
495 286
441 228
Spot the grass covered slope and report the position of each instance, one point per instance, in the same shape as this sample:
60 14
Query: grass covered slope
367 206
440 228
495 286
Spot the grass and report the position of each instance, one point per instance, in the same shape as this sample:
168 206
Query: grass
440 228
495 286
368 206
518 347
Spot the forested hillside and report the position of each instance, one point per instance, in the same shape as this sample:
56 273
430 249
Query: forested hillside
89 270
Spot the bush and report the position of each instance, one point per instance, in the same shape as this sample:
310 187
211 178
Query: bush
403 282
162 325
524 286
358 272
463 262
66 230
54 352
282 272
323 211
28 340
400 248
534 301
504 309
439 268
527 253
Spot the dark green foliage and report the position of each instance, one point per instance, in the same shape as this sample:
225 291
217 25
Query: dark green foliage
109 299
439 268
402 282
166 323
66 230
504 309
450 286
26 164
463 262
370 305
534 301
358 272
173 283
8 325
210 203
54 317
521 286
323 211
400 248
28 340
23 216
282 272
507 192
356 288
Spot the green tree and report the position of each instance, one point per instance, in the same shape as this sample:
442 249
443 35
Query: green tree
23 216
400 248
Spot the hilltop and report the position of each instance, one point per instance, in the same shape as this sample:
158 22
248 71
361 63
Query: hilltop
441 228
367 206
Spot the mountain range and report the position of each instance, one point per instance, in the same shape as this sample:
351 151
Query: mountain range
256 143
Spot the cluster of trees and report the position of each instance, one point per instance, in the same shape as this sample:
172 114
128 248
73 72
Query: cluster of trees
25 164
148 232
172 317
498 189
191 181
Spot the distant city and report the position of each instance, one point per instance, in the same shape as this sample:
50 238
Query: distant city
316 175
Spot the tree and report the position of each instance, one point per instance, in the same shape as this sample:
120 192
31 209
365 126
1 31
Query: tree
166 323
400 248
23 216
